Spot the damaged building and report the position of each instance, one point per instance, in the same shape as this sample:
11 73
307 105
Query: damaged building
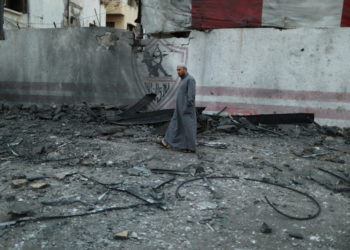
53 14
88 86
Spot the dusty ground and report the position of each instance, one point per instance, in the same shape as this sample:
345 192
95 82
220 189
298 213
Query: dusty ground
71 156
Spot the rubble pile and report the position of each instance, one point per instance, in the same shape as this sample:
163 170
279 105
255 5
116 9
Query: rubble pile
91 176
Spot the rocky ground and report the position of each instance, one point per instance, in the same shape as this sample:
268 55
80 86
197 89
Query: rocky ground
70 182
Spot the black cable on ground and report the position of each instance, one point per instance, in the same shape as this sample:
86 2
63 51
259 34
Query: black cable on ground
317 213
55 217
335 175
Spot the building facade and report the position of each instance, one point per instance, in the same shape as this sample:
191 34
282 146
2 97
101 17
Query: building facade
122 14
53 14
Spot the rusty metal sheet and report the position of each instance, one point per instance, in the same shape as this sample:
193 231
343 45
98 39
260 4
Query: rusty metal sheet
209 14
345 21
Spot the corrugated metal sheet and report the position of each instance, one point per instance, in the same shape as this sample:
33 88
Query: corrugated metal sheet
209 14
345 22
302 13
166 15
174 15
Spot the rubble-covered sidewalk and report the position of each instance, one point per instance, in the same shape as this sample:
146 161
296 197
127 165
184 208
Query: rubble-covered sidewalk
70 180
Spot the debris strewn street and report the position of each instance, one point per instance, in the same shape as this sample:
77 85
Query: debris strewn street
72 180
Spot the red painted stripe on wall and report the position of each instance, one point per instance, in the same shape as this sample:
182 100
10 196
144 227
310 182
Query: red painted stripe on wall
300 95
345 20
251 109
48 99
209 14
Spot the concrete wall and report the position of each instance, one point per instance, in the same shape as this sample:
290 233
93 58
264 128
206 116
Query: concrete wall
249 71
257 71
68 66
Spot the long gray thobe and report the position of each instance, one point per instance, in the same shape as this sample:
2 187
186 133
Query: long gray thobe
182 130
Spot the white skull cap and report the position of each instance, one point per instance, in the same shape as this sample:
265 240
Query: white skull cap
182 66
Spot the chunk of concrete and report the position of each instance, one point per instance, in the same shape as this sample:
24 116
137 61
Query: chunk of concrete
19 183
122 235
39 185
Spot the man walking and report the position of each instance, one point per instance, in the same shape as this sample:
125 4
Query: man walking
182 131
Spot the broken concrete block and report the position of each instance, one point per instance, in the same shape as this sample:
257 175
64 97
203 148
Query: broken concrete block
265 229
227 128
57 117
38 150
61 176
139 171
33 109
329 139
45 117
242 131
10 117
213 144
10 198
118 134
87 162
296 235
129 132
122 235
205 205
20 209
109 163
39 185
134 235
19 183
111 130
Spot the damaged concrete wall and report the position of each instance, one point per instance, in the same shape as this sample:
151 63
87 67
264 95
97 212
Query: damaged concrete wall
249 71
68 66
257 71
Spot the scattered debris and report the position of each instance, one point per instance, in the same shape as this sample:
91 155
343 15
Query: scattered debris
265 229
19 183
151 117
20 209
205 205
169 171
61 176
293 118
296 235
217 145
124 235
141 104
112 130
139 171
39 185
114 171
159 186
64 216
64 202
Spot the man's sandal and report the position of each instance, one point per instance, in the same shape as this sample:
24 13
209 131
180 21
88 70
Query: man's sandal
163 144
186 151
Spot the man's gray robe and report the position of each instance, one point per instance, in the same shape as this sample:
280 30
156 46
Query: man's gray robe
182 130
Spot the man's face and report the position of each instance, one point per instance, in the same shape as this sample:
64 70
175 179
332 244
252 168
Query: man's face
181 71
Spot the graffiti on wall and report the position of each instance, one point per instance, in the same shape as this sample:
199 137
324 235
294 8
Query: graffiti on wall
158 61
